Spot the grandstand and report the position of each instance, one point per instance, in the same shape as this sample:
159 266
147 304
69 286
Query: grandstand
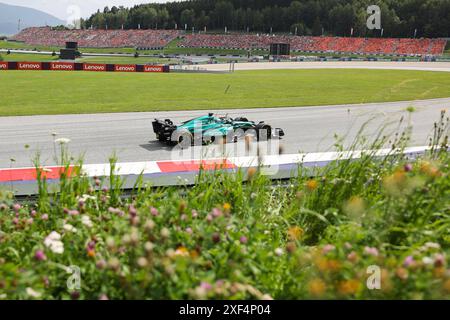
46 36
380 46
156 39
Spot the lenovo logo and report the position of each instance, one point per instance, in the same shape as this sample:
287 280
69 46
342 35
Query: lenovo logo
3 65
125 68
94 67
29 65
153 69
62 66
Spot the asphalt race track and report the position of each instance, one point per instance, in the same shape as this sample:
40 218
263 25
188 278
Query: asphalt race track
131 138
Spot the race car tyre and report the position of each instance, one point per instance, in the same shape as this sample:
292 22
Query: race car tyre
183 139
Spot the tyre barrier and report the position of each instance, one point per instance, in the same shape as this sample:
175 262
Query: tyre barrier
75 66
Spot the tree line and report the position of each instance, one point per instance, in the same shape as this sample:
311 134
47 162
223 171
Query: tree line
399 18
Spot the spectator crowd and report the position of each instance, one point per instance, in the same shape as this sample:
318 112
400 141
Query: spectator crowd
152 39
388 46
45 36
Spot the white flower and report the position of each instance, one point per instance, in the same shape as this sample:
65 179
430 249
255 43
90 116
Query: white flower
432 245
279 251
53 242
70 228
427 260
86 197
62 141
32 293
53 236
86 221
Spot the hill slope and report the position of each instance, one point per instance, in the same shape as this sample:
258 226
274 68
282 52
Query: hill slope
9 16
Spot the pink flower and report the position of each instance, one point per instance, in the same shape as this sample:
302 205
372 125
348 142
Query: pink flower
371 251
408 167
132 211
44 217
40 255
327 248
216 212
194 214
33 213
91 245
154 211
16 207
205 285
73 212
209 218
189 230
409 260
103 297
243 239
15 220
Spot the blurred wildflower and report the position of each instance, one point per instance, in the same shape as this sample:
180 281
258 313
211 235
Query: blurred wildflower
243 239
295 233
349 287
312 185
142 262
165 233
33 293
216 212
53 242
317 287
371 251
279 252
181 251
62 141
352 257
90 253
148 246
69 228
40 255
409 261
226 207
86 220
402 273
408 167
154 212
327 248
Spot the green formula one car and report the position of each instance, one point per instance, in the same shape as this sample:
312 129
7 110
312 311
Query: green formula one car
206 129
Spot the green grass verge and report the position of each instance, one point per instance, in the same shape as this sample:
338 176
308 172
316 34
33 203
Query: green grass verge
225 239
47 92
